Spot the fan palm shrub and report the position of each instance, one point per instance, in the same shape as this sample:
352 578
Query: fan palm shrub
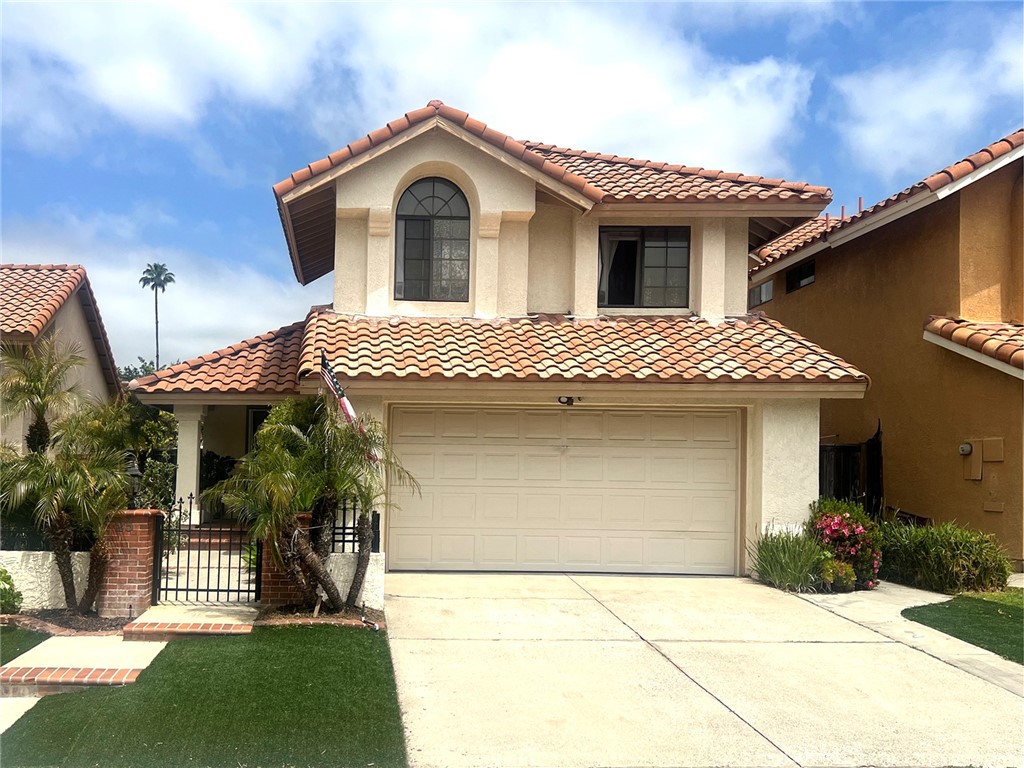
309 458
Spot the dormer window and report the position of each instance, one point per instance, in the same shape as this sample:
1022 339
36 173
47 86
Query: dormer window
644 267
432 243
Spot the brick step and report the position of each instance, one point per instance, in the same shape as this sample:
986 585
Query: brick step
42 681
164 631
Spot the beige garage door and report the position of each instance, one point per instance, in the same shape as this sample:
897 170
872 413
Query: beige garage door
566 490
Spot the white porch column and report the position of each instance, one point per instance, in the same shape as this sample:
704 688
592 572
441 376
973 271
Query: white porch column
190 433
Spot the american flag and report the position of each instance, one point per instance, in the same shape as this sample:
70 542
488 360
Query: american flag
336 389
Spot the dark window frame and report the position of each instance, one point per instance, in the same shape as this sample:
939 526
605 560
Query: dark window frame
756 293
800 276
649 240
426 209
255 415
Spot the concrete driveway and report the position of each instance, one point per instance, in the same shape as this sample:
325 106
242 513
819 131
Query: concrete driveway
561 670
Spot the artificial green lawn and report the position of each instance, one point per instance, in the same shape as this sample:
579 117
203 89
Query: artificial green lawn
281 696
14 641
990 620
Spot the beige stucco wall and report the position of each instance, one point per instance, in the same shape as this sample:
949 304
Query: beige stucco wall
71 326
367 195
551 260
868 304
35 576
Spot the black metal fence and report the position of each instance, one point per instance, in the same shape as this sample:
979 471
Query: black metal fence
210 562
346 537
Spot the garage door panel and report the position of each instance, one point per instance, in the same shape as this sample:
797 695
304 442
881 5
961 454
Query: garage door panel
566 490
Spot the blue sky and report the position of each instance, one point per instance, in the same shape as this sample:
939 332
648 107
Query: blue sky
147 132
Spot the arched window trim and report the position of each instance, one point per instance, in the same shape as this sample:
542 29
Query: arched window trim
432 247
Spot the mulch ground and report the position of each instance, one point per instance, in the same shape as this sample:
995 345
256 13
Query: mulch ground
297 614
61 622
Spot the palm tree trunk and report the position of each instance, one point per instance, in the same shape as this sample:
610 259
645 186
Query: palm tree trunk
325 511
156 325
60 535
364 534
99 557
38 436
317 569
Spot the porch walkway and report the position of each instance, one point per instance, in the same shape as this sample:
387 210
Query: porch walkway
171 620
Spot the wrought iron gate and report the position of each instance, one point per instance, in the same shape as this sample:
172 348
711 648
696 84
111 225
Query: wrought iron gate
209 562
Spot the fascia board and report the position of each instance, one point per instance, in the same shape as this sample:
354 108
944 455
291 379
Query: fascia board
974 355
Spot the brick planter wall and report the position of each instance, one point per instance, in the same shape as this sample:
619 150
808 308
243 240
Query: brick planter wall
129 577
275 586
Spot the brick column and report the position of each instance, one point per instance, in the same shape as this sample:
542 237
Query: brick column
129 577
275 586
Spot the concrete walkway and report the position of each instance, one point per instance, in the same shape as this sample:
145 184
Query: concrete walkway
558 670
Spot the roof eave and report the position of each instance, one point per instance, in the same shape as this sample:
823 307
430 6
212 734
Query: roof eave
971 354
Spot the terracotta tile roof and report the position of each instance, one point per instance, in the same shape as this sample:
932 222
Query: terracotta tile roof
1001 341
31 295
557 348
601 178
628 180
267 363
793 241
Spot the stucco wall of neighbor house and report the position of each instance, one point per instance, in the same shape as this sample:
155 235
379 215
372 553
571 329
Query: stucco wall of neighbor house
224 430
990 224
551 260
368 194
35 576
868 305
71 324
342 566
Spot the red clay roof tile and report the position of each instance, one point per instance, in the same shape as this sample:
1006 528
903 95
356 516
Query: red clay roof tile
663 349
804 235
32 294
264 364
1000 341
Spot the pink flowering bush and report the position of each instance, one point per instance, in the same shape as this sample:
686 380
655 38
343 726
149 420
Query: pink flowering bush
845 530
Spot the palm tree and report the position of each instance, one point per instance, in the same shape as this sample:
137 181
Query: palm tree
157 277
35 379
73 485
309 458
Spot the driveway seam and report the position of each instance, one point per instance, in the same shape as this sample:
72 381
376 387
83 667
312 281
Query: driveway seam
685 674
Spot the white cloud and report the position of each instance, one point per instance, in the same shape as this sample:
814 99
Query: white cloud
605 77
913 118
211 304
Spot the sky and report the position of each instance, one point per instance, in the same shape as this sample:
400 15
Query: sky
151 132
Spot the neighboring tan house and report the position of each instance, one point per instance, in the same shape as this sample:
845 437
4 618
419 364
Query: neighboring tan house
923 292
557 342
36 299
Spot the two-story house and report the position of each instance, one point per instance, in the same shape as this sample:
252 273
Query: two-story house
557 342
41 299
924 292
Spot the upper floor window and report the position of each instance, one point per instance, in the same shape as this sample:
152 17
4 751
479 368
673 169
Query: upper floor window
644 267
799 276
759 294
432 243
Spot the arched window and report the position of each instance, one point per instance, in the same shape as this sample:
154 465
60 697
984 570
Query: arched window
432 243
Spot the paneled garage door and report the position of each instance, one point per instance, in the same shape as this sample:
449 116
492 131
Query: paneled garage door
566 490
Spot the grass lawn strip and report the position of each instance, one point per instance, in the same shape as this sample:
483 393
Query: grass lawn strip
14 641
989 620
281 696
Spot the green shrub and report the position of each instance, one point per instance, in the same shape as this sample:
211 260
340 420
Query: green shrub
786 560
837 576
156 488
10 598
943 558
845 530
